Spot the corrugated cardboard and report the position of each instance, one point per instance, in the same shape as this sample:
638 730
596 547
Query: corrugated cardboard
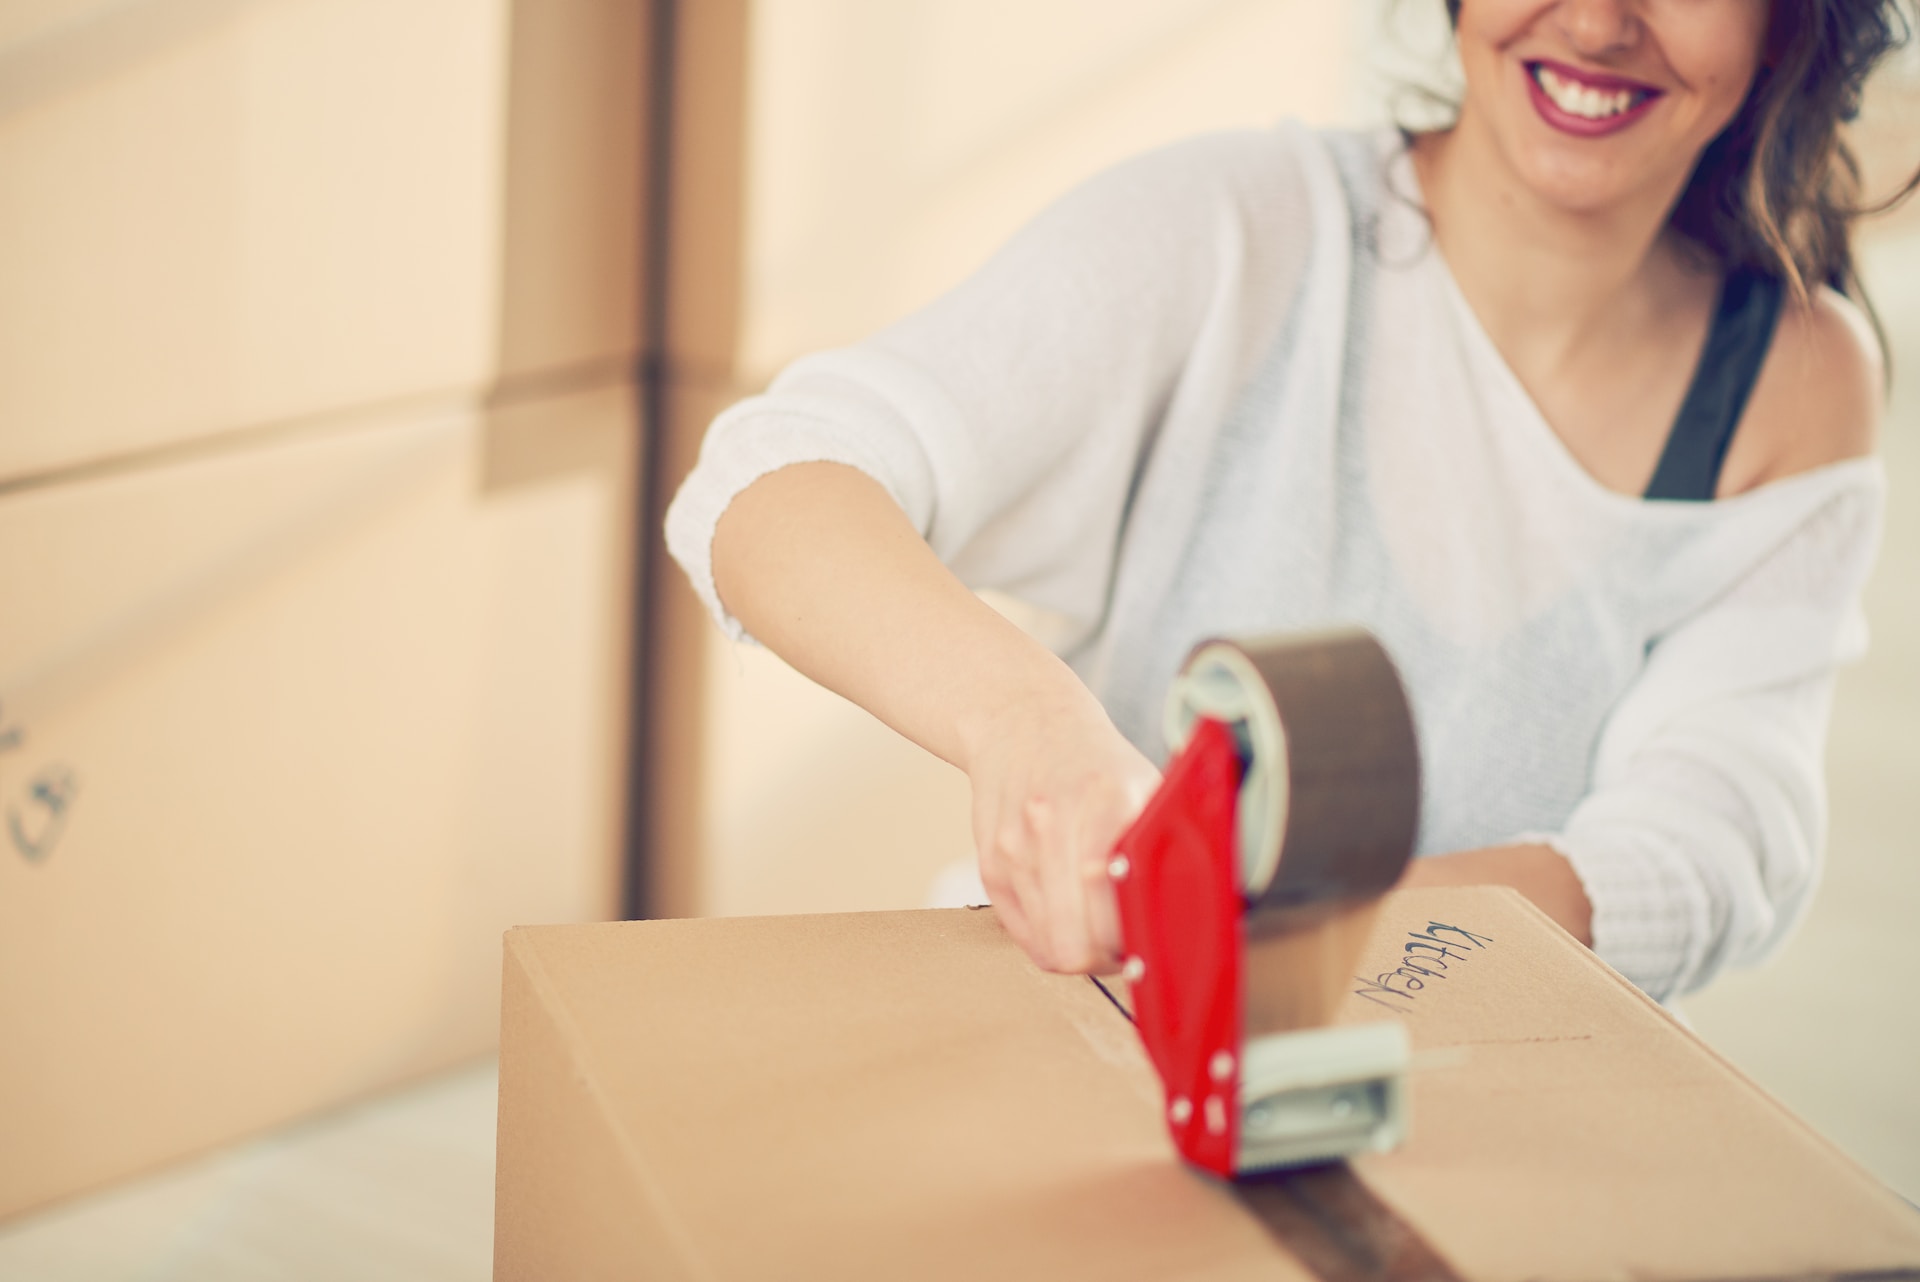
902 1095
319 442
217 215
287 736
267 211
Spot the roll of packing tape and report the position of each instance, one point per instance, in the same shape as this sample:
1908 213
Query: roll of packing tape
1329 806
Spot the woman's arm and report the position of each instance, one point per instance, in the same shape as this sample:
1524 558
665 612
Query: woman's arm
820 564
1817 402
1700 842
992 440
1539 872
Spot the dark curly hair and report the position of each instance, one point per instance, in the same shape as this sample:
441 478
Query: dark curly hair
1777 190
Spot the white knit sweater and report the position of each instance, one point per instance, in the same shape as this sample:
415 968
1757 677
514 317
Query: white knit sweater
1230 386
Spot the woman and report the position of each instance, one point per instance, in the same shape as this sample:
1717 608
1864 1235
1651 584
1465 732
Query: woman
1280 379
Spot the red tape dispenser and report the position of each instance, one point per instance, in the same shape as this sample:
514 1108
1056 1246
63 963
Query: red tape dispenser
1247 888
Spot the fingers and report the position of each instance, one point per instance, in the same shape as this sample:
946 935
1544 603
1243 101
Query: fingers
1047 816
1103 913
1063 839
1046 871
1098 908
1007 872
1007 906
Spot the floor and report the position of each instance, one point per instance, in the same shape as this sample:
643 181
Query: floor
396 1190
402 1188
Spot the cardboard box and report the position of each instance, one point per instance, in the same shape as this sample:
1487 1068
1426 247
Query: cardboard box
902 1095
287 737
319 452
218 216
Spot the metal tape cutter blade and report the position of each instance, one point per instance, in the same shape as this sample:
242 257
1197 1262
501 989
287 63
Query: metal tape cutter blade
1247 887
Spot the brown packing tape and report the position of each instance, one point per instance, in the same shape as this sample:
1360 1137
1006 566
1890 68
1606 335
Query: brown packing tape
1352 763
1344 760
1332 1222
1298 976
1325 1216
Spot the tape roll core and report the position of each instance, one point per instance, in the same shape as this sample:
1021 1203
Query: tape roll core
1220 682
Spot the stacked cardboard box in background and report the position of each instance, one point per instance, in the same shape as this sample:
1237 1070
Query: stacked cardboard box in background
319 437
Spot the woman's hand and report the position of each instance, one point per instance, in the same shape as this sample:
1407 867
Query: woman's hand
1054 787
1541 873
820 563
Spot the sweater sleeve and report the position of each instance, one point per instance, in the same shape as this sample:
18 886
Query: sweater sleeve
1700 843
1009 418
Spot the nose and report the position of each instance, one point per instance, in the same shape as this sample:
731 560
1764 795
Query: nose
1596 27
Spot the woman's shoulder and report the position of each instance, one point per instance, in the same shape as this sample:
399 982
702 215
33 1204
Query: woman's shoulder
1214 162
1249 167
1209 207
1818 398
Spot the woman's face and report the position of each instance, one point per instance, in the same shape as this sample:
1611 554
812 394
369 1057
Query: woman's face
1595 102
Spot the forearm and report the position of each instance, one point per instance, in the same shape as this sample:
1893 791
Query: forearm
1540 873
822 567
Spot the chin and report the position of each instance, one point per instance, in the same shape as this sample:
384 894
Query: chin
1595 107
1578 184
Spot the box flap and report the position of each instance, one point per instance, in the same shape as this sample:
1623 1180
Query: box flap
1565 1126
886 1095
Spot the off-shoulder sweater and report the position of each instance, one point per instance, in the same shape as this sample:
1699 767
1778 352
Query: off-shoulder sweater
1230 386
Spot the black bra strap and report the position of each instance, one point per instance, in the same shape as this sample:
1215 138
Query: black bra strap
1736 346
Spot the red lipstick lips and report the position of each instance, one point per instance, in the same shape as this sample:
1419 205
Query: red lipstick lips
1586 104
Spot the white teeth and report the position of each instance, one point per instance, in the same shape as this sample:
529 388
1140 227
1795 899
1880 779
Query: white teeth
1582 100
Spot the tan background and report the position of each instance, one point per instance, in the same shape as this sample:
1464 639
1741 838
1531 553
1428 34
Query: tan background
319 440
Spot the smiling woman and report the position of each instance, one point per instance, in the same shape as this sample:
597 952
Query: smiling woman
1660 151
1755 94
1597 101
1560 402
1584 104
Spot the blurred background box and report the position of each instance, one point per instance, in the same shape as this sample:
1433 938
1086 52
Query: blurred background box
218 214
319 449
324 726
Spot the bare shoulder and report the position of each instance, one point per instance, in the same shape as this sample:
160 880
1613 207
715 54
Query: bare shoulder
1818 399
